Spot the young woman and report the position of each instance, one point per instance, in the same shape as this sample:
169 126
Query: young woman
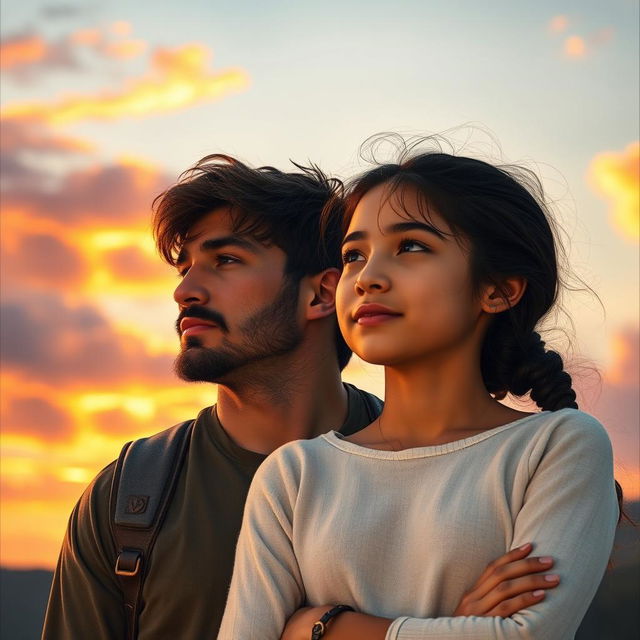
449 265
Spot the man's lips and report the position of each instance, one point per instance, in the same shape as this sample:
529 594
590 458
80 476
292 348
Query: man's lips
191 326
372 314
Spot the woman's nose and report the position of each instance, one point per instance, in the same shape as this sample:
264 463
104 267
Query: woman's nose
372 278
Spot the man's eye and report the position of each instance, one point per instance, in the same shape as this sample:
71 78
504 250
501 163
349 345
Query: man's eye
350 256
225 259
411 246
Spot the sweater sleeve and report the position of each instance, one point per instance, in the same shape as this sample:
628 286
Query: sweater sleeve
266 588
569 512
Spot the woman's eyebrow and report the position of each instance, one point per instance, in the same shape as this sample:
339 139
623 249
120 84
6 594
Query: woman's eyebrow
414 225
354 235
398 227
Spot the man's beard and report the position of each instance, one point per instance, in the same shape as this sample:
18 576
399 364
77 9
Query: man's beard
271 331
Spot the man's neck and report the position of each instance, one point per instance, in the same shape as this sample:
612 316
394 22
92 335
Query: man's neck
290 402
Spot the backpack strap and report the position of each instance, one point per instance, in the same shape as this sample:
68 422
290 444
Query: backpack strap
372 403
143 484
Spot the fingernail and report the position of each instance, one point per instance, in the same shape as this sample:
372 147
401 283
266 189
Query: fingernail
546 560
538 593
552 578
524 547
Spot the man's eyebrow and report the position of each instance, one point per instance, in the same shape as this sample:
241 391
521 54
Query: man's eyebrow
213 244
399 227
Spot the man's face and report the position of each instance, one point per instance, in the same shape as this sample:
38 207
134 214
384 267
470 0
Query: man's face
236 305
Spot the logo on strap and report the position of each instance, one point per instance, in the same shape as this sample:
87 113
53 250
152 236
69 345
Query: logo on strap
137 504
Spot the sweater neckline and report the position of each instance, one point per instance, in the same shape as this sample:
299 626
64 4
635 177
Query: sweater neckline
337 440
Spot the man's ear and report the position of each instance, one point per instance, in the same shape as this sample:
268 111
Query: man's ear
503 295
320 294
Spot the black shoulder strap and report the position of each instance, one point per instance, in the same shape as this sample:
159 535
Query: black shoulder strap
143 483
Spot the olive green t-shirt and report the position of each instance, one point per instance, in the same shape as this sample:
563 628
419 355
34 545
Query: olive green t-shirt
190 568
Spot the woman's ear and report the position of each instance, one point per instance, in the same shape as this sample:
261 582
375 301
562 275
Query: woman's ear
503 295
320 298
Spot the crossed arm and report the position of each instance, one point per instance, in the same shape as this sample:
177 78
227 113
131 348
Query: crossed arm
510 584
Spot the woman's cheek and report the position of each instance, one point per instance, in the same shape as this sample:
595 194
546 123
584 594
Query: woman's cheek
343 305
341 290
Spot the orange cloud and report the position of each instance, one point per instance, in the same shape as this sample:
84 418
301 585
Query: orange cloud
178 78
124 49
69 346
25 54
44 260
616 177
121 28
601 37
558 24
22 50
109 196
625 368
130 263
575 47
37 416
87 37
617 406
579 46
19 137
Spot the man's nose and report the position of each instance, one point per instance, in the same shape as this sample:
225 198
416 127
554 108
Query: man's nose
191 290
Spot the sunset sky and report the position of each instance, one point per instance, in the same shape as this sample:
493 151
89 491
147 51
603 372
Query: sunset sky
104 104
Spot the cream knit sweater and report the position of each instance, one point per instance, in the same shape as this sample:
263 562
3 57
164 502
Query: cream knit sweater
404 534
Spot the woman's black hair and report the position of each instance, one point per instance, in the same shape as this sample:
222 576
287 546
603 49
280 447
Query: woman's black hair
500 213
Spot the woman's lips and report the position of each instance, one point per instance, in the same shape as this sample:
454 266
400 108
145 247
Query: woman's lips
369 315
376 319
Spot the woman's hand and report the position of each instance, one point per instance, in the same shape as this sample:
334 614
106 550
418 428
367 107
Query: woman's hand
508 585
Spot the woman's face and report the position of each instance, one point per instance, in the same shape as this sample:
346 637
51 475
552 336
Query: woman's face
405 294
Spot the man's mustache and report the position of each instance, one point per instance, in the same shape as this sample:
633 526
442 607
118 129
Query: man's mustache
203 313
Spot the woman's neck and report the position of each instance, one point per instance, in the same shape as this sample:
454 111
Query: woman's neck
434 402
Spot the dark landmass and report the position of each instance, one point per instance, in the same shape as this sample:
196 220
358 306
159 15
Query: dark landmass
23 600
613 615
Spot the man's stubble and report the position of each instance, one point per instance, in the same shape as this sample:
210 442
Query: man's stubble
269 332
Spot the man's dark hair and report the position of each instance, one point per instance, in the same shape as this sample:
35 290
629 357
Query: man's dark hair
274 207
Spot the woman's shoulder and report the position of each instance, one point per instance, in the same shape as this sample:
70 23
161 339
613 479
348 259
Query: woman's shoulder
570 433
291 458
569 423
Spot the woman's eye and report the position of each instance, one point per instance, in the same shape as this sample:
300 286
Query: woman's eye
411 246
350 256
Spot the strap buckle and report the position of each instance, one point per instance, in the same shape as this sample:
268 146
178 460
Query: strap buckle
128 562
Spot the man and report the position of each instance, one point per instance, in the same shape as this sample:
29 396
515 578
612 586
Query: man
256 317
